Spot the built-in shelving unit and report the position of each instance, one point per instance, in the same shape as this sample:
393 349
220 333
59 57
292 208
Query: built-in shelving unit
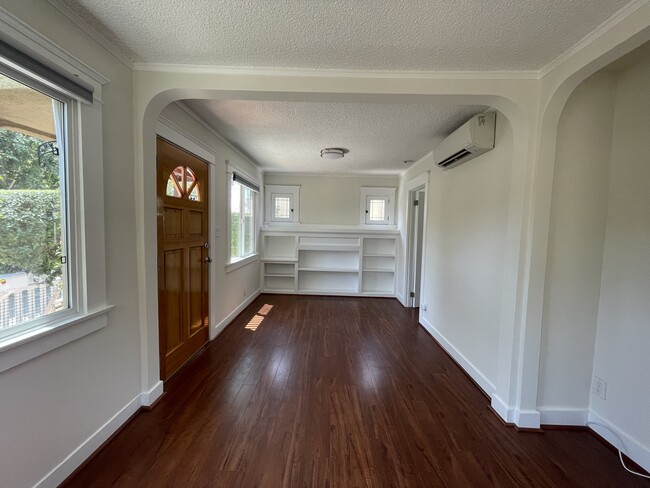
332 263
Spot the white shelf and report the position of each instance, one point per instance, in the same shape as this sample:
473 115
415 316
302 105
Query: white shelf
280 283
329 247
328 281
379 245
330 270
361 264
279 248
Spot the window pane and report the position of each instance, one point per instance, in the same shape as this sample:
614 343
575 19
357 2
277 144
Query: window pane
281 208
377 210
33 280
235 204
175 183
192 186
248 222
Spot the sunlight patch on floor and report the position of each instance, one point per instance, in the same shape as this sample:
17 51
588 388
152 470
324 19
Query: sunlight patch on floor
255 322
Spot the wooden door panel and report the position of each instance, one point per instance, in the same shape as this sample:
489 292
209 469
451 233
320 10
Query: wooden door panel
172 223
182 192
172 320
195 224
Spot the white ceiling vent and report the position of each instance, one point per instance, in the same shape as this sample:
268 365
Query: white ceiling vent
474 137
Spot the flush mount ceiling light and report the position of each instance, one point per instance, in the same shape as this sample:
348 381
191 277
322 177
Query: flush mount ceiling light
333 153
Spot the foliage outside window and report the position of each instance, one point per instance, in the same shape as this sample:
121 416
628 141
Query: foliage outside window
33 248
242 221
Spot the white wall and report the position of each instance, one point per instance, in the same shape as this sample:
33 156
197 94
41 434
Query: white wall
467 217
575 250
622 353
49 406
229 289
332 200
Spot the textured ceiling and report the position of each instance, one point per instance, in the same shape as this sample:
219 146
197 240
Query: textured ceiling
388 35
420 35
288 136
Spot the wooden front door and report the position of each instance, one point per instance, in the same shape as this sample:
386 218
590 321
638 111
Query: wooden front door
183 261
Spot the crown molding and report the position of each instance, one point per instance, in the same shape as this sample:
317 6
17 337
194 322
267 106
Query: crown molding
335 73
599 31
352 174
100 39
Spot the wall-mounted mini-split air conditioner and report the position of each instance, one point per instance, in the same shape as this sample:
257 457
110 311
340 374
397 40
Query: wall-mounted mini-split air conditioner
474 137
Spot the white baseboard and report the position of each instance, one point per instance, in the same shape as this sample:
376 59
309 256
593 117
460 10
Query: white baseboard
559 416
464 363
148 398
502 409
401 299
632 448
527 419
218 328
89 446
75 459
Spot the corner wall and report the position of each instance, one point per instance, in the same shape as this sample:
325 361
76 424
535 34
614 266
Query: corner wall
622 356
467 226
575 251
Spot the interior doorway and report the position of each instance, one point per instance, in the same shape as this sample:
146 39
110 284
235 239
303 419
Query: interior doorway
416 216
183 271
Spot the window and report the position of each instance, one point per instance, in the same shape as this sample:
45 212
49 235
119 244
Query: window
34 244
377 206
282 203
52 262
243 202
182 183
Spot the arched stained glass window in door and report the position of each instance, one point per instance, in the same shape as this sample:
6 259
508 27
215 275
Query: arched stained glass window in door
182 183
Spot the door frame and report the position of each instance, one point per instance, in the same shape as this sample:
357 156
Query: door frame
168 130
414 186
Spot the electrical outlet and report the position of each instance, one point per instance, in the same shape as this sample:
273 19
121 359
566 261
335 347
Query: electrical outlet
599 387
424 307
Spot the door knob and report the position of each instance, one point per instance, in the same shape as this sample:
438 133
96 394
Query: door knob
207 259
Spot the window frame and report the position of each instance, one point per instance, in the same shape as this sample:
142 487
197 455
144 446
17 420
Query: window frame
69 224
377 193
232 264
84 190
282 191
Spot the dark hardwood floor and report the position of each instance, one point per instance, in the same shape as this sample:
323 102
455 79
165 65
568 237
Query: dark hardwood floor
337 393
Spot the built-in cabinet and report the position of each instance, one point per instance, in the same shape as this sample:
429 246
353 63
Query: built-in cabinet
340 263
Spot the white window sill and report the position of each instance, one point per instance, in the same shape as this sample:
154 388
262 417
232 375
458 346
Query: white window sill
242 262
24 347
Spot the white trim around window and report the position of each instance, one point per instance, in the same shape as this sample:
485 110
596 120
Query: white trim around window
84 199
282 204
251 255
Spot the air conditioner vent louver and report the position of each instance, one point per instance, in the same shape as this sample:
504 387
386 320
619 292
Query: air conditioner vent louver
473 138
454 157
